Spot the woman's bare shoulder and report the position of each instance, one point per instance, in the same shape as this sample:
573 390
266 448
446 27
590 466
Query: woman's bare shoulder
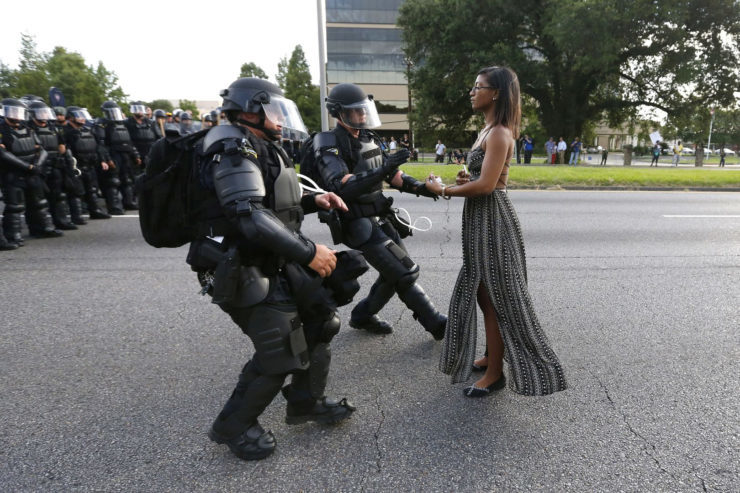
499 135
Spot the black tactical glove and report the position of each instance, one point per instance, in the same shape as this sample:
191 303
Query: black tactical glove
410 184
393 161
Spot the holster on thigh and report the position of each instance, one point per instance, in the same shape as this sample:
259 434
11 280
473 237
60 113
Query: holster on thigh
278 338
390 260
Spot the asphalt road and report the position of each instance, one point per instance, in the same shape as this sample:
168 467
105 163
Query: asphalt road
112 366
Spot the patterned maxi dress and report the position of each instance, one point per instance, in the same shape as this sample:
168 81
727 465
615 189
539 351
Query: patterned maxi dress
493 254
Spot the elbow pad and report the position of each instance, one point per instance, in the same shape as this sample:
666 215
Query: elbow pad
12 160
362 183
261 226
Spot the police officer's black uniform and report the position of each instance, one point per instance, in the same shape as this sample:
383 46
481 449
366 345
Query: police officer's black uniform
22 159
253 259
369 225
119 178
56 166
142 132
89 153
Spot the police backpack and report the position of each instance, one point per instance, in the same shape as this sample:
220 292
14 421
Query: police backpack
167 189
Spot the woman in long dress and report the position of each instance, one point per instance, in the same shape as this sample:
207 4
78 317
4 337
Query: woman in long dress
494 271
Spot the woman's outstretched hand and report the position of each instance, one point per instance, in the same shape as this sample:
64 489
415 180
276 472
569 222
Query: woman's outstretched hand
433 185
462 177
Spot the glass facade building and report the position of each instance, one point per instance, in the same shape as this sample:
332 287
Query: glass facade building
363 46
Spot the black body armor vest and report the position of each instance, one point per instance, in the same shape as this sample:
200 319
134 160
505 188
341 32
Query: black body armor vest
23 143
85 147
141 133
117 137
49 139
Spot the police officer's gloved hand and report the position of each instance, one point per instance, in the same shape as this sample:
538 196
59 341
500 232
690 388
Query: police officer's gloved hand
393 161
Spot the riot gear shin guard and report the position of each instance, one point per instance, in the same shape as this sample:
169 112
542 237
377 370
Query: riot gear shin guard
61 213
253 393
75 211
414 297
113 201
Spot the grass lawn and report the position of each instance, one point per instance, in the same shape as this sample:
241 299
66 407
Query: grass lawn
551 176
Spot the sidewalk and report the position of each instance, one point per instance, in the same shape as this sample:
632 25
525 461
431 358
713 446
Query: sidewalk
617 159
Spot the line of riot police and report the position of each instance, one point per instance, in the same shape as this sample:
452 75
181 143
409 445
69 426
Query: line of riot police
55 164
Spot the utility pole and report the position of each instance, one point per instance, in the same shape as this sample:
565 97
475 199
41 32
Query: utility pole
711 124
409 63
321 18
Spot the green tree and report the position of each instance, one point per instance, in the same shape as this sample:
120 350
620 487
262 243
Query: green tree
31 76
161 104
252 70
580 60
68 72
294 77
81 84
187 104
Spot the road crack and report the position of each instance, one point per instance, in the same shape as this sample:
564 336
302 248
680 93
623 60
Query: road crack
650 449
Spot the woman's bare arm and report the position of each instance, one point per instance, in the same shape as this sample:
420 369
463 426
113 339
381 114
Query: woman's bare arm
496 146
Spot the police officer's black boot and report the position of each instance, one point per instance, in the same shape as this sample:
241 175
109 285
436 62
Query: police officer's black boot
305 394
40 224
61 215
12 224
5 244
236 425
129 200
303 408
364 315
113 201
75 211
418 302
94 209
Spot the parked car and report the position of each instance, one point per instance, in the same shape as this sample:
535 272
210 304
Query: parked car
730 152
593 149
689 150
708 152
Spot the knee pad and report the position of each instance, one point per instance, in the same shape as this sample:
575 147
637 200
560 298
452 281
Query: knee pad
407 281
278 338
329 329
390 260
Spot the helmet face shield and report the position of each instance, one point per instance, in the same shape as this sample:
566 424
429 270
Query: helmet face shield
15 112
284 112
114 114
42 114
138 109
362 114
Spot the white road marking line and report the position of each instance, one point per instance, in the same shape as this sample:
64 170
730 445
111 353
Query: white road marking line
701 215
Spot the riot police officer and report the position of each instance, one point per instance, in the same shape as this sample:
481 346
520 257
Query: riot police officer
55 168
23 160
123 156
262 270
141 130
89 153
160 120
350 163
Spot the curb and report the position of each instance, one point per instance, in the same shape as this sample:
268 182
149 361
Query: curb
627 189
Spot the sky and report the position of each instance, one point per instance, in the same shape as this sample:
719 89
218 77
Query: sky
167 49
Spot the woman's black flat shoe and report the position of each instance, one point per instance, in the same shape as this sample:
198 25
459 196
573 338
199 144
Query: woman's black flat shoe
474 391
479 368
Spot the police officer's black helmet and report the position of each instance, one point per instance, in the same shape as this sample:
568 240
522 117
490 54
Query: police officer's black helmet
111 111
343 95
40 111
185 116
249 94
349 104
60 110
208 118
14 109
159 114
262 97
